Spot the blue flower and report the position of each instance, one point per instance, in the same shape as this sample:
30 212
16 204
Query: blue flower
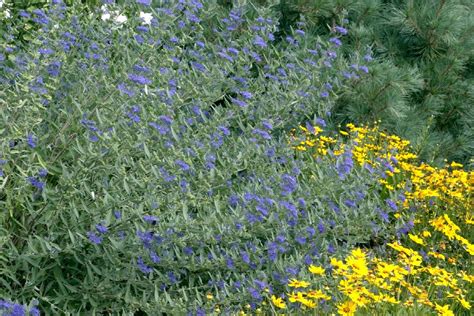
301 240
290 207
163 130
267 125
254 293
369 168
224 130
139 79
101 228
166 176
331 249
184 166
307 260
146 238
118 215
364 69
31 140
233 200
143 267
34 311
144 2
261 133
42 173
245 257
126 90
341 30
230 263
321 122
350 203
288 184
225 56
17 310
292 271
188 251
300 32
391 204
210 161
140 68
247 95
198 66
259 41
133 114
54 68
238 102
321 227
34 181
45 51
384 216
150 219
262 209
344 164
94 238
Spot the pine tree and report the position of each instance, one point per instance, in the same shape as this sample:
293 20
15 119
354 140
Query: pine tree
421 85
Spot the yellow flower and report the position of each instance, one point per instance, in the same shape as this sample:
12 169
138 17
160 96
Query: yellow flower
296 283
469 220
426 234
358 265
338 265
308 303
318 295
316 270
416 239
209 296
347 309
464 303
467 277
437 255
443 310
278 302
390 299
358 253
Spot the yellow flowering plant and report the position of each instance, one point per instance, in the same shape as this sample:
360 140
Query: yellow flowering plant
428 269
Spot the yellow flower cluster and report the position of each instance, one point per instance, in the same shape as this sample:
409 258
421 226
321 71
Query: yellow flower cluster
408 277
445 225
308 299
364 283
374 148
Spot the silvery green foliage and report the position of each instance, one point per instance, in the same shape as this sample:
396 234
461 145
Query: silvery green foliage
145 163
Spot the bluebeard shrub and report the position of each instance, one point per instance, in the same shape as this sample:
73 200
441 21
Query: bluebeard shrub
147 165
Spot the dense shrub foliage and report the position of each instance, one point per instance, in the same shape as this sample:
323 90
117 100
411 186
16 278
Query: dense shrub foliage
179 157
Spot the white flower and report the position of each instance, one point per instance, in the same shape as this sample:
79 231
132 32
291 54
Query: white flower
121 19
146 17
7 14
1 3
105 16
